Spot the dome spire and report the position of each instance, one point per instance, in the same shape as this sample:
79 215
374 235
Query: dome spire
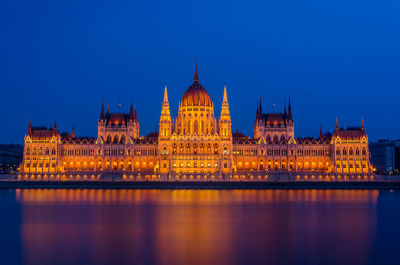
196 75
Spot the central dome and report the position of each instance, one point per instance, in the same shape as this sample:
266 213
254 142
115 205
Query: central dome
196 94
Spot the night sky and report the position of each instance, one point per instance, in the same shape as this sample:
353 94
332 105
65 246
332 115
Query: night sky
334 58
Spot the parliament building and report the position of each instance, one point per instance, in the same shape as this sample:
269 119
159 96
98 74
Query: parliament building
195 145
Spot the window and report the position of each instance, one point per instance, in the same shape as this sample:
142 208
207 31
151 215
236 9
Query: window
225 151
344 151
338 152
364 152
351 151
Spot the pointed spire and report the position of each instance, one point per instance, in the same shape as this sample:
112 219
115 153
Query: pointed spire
196 75
73 132
225 98
290 111
102 109
131 110
55 125
30 128
165 93
108 109
320 132
362 125
257 112
337 125
260 107
135 114
284 109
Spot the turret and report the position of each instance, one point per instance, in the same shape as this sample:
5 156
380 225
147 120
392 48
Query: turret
102 110
131 116
30 128
337 126
165 118
290 117
225 118
55 127
284 110
362 127
135 114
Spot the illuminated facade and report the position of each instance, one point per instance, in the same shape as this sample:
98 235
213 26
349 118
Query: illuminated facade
195 142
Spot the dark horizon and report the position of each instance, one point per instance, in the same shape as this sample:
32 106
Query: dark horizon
333 59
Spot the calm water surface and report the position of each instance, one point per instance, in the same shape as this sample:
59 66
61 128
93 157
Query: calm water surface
199 227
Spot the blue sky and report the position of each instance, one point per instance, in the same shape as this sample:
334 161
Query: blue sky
334 58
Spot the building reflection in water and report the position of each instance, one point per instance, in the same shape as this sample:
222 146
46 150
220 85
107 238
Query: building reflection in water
197 226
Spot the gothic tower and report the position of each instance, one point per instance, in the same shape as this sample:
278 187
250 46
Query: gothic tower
225 118
164 135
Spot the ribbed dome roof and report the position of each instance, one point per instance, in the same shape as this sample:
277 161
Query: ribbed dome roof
196 94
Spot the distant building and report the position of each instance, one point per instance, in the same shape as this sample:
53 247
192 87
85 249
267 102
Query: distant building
195 142
10 157
385 156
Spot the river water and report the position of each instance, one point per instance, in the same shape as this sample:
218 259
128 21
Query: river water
67 226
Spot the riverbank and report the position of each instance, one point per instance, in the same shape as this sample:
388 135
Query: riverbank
196 185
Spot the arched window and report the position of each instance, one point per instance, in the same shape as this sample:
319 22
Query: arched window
351 151
357 151
208 147
225 150
188 147
364 151
47 151
196 129
174 148
41 151
344 151
194 148
164 150
338 151
215 148
53 151
28 151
